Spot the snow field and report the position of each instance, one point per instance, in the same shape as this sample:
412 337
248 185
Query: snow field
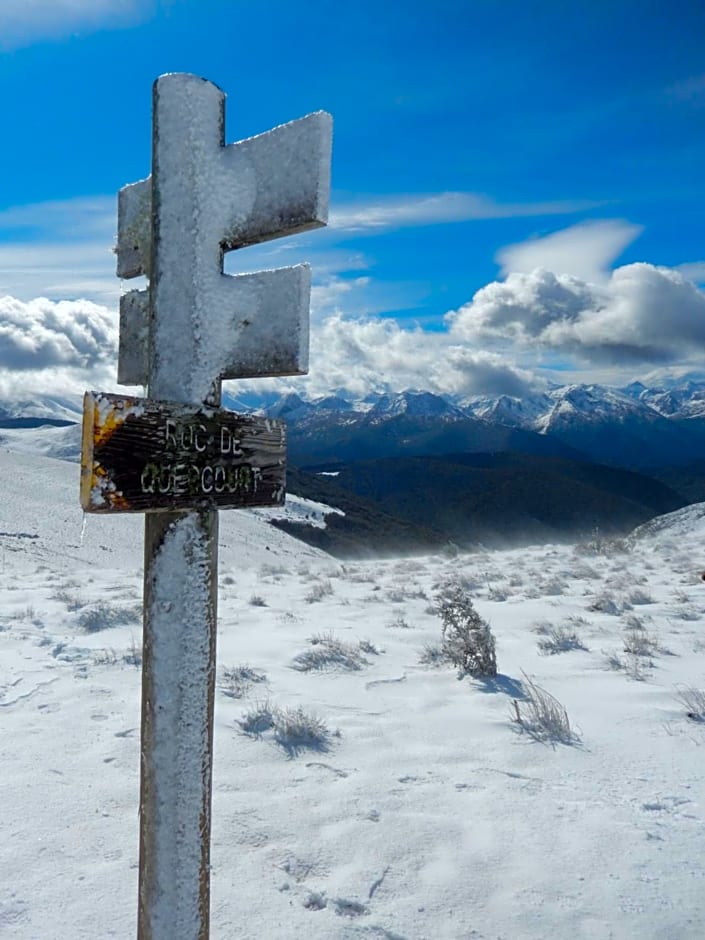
427 811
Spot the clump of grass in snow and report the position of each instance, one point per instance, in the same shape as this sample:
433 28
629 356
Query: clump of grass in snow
101 616
319 590
560 639
599 545
330 652
293 729
257 601
552 587
399 623
605 603
633 665
639 596
237 680
73 601
432 655
296 730
639 643
108 657
542 715
693 702
258 719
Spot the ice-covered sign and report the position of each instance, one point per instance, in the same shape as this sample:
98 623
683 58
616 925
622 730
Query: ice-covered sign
175 455
205 198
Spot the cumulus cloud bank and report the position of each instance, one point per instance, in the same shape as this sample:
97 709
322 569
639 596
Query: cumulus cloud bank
642 314
65 346
377 354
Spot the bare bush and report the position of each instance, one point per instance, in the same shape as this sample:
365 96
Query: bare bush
318 591
329 652
466 639
399 623
693 702
296 730
632 665
639 643
560 639
258 719
605 603
639 596
542 715
293 729
101 616
432 655
237 680
600 545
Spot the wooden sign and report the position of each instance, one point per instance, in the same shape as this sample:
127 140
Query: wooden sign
145 456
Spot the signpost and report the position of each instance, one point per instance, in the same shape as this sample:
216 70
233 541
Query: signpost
177 456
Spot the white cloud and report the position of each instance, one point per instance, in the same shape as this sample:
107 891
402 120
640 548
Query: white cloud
23 22
642 314
363 355
69 346
436 208
693 270
75 337
585 251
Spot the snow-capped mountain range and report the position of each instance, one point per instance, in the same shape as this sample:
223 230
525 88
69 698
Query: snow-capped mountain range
632 426
539 412
635 426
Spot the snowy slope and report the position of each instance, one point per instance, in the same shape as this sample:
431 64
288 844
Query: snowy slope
427 812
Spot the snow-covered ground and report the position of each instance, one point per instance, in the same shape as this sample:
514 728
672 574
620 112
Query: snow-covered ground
426 811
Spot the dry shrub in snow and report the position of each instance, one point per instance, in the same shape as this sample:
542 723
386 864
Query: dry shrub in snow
329 652
237 680
319 590
633 665
605 603
693 702
542 715
101 616
400 623
639 596
559 639
599 545
258 719
293 729
639 643
466 639
296 730
432 655
257 601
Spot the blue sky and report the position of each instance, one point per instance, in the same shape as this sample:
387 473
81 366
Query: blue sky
517 189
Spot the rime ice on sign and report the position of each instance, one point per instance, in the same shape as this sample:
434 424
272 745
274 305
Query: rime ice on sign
193 327
212 198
